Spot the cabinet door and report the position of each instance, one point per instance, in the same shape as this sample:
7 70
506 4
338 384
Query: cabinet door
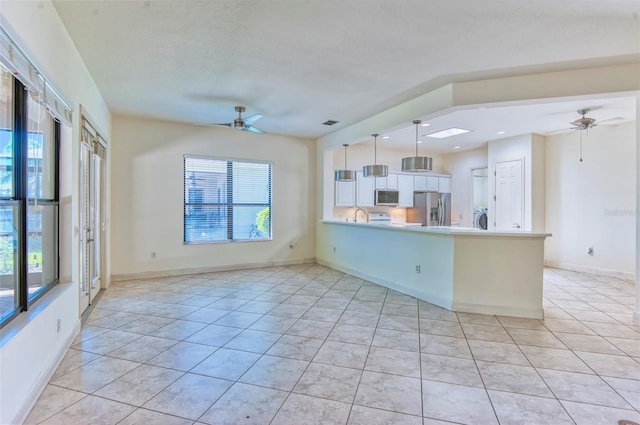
381 183
444 184
405 191
364 190
392 182
345 194
432 184
420 183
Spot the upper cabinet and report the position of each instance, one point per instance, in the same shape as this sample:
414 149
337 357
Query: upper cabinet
365 190
345 194
433 184
444 184
387 183
405 191
420 183
392 182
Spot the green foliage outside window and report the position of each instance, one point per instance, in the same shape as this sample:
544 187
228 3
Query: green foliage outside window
263 219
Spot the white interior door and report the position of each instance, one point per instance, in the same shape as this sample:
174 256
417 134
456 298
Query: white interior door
509 196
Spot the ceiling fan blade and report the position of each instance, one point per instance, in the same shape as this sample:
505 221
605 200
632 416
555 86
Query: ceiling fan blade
253 129
253 118
209 124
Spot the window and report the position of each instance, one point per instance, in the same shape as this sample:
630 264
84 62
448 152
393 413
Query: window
29 145
226 200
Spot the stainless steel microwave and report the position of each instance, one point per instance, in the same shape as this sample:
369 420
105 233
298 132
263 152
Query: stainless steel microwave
387 197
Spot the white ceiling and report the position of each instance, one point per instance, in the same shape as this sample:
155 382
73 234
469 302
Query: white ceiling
491 123
300 63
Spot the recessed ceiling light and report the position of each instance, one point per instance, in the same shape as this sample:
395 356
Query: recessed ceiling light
426 124
385 137
456 147
501 132
418 141
453 131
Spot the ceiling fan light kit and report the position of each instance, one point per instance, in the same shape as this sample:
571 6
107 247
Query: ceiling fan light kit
244 124
375 170
345 175
417 163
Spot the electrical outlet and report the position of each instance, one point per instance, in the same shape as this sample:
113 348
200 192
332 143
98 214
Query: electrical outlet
590 251
334 249
417 269
153 255
58 325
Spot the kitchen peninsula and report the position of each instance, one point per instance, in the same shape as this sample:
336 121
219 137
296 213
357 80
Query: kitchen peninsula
465 270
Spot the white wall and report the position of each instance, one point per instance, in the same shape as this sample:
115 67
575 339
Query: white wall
592 203
459 166
527 148
31 346
361 154
147 197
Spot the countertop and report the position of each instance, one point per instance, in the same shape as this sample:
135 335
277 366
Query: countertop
442 230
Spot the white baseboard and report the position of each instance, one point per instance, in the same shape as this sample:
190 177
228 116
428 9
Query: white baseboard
421 295
39 386
210 269
527 313
593 270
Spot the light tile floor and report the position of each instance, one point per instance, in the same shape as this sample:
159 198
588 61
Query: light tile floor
310 345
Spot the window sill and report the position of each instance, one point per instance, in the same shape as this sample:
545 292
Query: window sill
13 328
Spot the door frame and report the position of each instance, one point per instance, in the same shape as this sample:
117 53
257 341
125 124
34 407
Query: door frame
471 194
91 136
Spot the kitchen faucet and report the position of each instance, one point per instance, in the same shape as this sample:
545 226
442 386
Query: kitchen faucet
355 215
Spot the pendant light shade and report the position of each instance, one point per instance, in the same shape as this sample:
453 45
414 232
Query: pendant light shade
375 170
417 163
345 175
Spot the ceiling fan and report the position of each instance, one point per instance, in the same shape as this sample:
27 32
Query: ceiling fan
585 122
244 124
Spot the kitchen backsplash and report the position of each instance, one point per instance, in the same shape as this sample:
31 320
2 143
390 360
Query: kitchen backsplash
398 215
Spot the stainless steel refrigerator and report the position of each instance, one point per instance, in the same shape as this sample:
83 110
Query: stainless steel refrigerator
430 209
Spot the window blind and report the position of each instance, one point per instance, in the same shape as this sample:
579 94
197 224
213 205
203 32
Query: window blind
226 200
17 63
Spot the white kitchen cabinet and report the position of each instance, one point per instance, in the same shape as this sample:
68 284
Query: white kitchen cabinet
365 187
392 182
444 184
420 183
405 191
345 194
387 183
433 184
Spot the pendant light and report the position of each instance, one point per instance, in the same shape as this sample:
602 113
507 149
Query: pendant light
375 170
345 175
417 163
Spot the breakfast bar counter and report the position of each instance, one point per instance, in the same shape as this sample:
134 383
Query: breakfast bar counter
461 269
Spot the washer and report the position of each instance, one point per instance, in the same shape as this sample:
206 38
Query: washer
480 218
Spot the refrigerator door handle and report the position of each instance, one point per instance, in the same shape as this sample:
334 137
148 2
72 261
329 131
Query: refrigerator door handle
440 217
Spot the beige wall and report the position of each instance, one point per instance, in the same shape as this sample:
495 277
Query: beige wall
592 203
147 203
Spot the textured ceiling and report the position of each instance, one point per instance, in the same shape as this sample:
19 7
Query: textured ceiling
302 62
